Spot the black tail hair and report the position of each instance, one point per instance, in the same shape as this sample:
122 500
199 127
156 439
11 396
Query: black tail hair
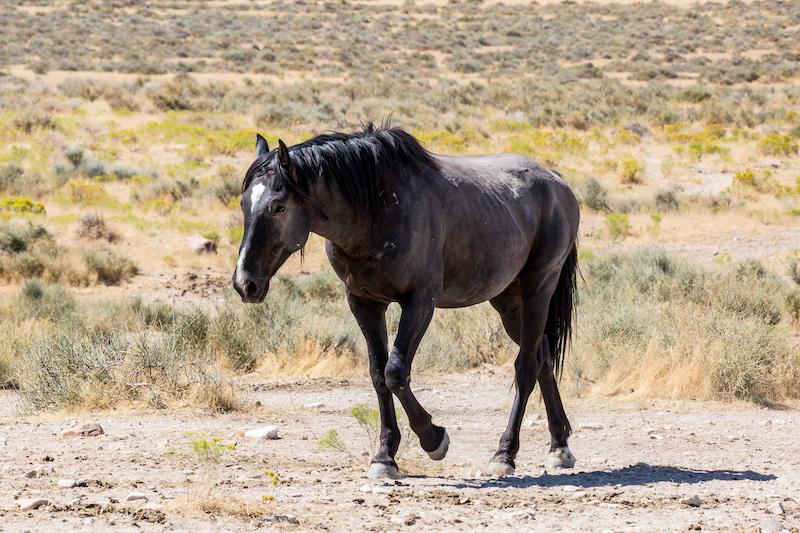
562 311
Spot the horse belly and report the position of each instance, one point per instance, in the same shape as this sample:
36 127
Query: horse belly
482 265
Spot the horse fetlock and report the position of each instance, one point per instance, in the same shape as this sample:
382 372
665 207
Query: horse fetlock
561 457
500 468
396 375
383 470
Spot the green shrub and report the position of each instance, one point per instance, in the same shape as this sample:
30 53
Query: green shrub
793 305
594 195
728 328
778 145
75 155
618 225
667 200
631 171
110 268
21 204
13 179
793 267
16 238
85 192
746 178
50 302
230 338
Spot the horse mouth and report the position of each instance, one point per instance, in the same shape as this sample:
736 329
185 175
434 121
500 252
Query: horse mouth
252 296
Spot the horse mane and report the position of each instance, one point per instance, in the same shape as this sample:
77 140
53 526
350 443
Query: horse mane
359 164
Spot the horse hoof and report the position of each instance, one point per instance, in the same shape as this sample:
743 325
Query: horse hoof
560 458
500 469
380 471
439 453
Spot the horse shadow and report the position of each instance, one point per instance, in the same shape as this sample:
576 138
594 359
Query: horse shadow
633 475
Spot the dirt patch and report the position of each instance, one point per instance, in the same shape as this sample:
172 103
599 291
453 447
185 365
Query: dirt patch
638 466
203 284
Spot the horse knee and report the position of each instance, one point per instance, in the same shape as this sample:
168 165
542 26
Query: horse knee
396 374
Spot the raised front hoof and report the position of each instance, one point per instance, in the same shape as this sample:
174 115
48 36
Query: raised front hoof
496 469
439 453
381 471
560 458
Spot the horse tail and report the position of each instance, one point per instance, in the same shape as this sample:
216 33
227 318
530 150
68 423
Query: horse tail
562 311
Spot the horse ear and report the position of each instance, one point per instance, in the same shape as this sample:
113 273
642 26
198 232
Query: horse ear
283 155
262 147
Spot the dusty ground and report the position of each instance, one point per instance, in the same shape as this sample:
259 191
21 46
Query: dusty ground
636 465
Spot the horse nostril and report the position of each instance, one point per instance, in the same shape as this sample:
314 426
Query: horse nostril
250 289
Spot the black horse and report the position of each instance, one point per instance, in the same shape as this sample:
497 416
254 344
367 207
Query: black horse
424 230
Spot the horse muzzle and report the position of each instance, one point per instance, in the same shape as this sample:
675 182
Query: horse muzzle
252 289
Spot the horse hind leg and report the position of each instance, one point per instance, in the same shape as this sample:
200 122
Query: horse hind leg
559 456
509 306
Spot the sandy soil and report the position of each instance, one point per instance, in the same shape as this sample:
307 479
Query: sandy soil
637 463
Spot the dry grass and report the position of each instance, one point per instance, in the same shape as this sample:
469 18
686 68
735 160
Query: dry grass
227 505
685 146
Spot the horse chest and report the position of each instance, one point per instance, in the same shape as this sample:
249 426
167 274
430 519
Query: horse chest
374 276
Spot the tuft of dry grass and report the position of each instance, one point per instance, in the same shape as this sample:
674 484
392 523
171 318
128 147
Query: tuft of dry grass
93 227
653 326
227 505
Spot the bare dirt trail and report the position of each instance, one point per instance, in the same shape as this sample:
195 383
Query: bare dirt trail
637 466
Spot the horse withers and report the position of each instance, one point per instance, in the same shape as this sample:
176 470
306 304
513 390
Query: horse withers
424 230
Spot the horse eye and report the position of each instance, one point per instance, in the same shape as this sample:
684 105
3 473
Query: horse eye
280 208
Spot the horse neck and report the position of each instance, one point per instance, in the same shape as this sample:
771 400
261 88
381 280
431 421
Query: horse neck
333 218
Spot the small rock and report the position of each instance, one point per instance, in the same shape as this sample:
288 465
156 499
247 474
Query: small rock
67 483
200 245
263 433
569 488
769 525
86 430
694 501
133 496
315 405
33 503
516 516
365 488
776 508
283 518
591 426
382 490
42 470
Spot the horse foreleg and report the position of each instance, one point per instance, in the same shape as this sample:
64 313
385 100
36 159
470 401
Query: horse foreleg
371 318
414 321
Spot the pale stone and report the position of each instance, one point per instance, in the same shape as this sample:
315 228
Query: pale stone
262 433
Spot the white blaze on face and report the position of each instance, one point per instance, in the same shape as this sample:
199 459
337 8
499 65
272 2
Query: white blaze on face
240 266
255 195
